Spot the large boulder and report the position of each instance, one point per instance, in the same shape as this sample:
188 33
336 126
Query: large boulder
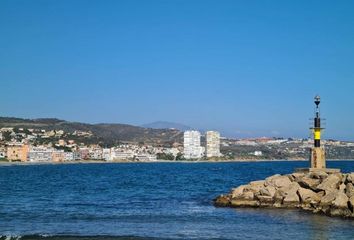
340 205
278 181
350 177
268 191
327 199
297 175
247 199
321 194
247 195
268 180
278 198
307 196
265 201
257 183
351 204
341 200
318 175
291 199
222 201
255 186
331 183
317 200
237 192
244 203
244 196
307 182
349 189
273 176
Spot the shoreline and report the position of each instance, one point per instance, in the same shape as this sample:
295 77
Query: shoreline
6 163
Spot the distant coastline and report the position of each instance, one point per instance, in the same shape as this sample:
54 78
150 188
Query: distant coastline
6 163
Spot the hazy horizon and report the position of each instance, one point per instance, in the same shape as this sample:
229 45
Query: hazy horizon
246 69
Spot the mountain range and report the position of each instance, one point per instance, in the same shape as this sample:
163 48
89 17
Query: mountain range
167 125
105 132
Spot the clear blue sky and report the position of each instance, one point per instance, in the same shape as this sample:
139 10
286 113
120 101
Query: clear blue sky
246 68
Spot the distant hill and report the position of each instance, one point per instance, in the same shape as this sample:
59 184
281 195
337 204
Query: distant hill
167 125
106 133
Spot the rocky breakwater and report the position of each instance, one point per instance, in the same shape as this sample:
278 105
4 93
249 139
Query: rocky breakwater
318 191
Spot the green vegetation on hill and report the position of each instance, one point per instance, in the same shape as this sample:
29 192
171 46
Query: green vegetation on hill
165 156
105 134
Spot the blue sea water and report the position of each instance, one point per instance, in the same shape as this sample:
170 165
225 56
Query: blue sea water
150 201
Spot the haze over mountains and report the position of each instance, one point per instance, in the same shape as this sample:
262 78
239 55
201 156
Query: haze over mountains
167 125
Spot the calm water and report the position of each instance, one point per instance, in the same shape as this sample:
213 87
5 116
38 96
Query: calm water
150 201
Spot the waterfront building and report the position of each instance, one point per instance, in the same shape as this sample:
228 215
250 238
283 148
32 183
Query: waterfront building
84 153
58 156
106 154
119 155
17 152
40 154
77 155
192 147
145 157
69 156
212 144
96 154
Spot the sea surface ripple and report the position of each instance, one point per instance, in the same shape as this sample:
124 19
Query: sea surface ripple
150 201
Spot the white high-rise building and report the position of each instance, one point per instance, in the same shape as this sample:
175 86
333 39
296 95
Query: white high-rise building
192 148
212 144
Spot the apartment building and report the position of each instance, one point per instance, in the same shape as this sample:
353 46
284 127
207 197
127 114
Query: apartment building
192 147
69 156
119 155
40 154
17 152
58 156
145 157
212 144
106 154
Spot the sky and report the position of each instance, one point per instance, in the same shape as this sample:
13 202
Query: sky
244 68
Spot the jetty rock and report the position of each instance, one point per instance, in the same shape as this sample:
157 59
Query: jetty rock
330 193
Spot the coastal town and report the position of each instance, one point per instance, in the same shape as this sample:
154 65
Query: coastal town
40 145
26 145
